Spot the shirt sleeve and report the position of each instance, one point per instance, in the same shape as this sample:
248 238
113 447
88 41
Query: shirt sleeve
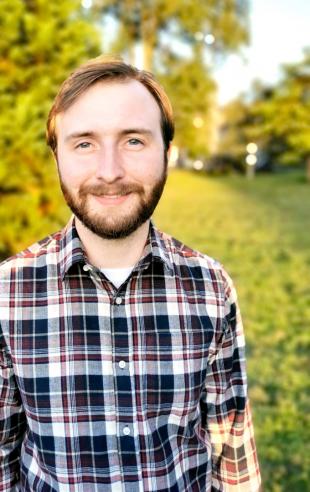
226 409
12 425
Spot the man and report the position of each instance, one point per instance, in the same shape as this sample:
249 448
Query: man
122 350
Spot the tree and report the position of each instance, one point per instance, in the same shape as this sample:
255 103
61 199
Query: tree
40 43
148 23
281 115
233 138
192 93
276 118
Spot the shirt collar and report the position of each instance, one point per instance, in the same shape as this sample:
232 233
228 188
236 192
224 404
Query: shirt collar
71 249
156 250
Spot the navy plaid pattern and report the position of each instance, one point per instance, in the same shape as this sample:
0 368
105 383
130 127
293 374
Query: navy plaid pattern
131 390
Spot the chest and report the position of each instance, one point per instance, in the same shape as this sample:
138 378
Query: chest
78 344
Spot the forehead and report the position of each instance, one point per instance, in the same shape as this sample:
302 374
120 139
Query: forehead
112 104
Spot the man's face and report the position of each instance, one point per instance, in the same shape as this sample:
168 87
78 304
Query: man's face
110 156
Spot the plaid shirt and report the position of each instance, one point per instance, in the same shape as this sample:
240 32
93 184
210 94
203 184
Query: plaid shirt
131 390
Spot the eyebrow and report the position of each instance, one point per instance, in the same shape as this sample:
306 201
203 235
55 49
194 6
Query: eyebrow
75 135
91 134
141 131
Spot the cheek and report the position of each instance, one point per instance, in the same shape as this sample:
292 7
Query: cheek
149 169
71 172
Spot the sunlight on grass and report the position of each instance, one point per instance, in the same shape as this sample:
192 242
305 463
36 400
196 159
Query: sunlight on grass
259 230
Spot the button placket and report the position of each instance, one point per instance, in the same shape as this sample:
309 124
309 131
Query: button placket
123 384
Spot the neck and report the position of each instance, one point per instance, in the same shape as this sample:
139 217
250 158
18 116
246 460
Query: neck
113 253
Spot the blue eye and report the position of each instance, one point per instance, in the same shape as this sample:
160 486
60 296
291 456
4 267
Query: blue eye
83 145
134 141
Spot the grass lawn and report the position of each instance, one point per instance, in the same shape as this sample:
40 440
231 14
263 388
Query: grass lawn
260 231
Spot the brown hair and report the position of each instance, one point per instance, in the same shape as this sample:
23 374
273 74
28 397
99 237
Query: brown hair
108 69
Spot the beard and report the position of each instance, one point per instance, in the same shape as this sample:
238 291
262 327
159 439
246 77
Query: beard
117 224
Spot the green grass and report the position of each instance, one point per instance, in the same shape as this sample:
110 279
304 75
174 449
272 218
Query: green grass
260 231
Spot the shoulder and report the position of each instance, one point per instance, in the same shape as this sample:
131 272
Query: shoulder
36 255
196 265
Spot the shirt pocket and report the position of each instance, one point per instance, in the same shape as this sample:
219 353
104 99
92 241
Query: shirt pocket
175 363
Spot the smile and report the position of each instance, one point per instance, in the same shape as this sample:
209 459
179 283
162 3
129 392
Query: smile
111 199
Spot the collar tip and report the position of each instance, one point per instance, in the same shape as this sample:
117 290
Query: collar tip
170 270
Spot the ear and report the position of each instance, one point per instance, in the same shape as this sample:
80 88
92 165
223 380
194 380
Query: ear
169 152
172 155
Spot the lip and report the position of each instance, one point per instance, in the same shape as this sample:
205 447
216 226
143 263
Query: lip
111 199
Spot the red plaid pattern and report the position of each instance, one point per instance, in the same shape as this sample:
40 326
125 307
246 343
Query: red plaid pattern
137 389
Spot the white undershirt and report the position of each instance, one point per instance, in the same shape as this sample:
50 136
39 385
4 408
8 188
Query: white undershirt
117 275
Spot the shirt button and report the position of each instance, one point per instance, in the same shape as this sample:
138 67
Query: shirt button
118 300
122 364
86 268
126 430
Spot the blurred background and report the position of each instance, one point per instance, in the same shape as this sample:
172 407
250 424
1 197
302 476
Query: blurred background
238 75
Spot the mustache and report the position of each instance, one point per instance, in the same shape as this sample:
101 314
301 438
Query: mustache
105 189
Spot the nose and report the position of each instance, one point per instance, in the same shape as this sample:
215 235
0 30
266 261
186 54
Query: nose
109 165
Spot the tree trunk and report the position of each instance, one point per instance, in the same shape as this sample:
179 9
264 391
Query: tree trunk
132 53
148 37
148 53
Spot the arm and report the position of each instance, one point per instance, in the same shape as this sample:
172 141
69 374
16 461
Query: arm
12 424
226 408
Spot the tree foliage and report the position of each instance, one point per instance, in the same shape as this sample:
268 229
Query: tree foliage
276 117
282 114
40 43
191 91
149 21
233 137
